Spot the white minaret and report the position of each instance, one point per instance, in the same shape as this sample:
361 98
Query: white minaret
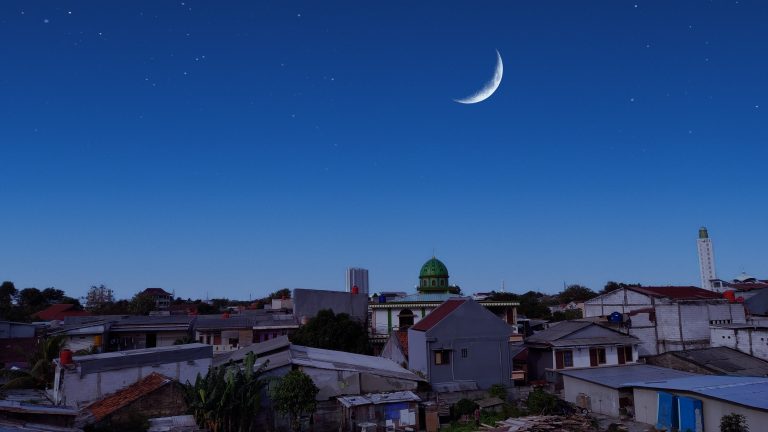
706 259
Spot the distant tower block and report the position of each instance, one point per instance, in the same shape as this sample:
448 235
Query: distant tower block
357 277
706 259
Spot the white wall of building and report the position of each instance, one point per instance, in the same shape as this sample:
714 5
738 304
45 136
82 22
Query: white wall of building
74 390
646 410
602 400
752 341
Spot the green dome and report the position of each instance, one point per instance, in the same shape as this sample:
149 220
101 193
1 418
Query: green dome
433 268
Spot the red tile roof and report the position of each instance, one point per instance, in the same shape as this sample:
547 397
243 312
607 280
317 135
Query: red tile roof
402 337
59 312
677 292
133 392
439 313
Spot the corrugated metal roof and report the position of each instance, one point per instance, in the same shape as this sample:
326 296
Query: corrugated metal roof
378 398
558 331
147 356
439 313
618 376
339 360
746 391
725 360
259 349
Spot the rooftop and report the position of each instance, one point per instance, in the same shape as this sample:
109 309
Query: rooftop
59 312
121 398
564 334
746 391
147 356
439 313
617 376
378 398
724 360
677 292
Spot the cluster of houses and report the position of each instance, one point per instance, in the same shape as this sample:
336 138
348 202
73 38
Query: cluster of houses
673 357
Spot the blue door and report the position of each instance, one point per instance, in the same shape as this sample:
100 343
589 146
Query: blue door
666 418
690 412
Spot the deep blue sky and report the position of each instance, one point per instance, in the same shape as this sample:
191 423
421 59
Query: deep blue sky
236 148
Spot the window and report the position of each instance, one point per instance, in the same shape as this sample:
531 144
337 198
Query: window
443 357
624 354
563 359
405 318
464 353
596 356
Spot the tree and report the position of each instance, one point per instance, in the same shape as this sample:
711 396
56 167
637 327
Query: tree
53 295
98 297
335 332
733 423
31 300
7 294
227 398
575 293
41 372
613 286
282 293
142 304
294 396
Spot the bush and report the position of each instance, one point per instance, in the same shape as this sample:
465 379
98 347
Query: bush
462 407
541 402
498 390
733 423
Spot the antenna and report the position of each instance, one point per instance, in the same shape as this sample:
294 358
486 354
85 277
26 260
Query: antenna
503 289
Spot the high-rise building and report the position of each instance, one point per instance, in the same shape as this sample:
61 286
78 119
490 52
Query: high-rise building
706 259
357 277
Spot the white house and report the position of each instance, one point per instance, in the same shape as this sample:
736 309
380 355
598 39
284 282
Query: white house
669 318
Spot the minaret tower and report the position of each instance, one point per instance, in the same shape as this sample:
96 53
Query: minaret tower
706 259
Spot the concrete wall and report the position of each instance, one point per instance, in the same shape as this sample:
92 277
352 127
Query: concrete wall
646 410
603 400
13 330
393 351
308 302
418 355
76 390
752 341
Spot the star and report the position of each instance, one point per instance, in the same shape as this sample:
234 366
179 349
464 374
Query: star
46 20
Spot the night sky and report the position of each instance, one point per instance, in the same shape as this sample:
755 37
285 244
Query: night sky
231 149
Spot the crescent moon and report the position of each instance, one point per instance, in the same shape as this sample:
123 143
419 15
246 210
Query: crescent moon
489 87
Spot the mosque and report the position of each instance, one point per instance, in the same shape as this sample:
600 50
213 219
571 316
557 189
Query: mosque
396 311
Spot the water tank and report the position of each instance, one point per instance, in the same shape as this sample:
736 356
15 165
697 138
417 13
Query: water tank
382 299
65 357
355 289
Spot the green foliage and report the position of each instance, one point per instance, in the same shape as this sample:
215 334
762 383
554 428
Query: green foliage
7 292
41 372
98 297
613 286
335 332
541 402
281 293
498 390
142 304
228 398
575 293
567 314
733 423
294 395
463 407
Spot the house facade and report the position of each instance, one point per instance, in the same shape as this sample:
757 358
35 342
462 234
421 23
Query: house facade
461 341
577 344
665 318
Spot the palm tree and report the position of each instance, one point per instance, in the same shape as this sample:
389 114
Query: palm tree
227 398
41 370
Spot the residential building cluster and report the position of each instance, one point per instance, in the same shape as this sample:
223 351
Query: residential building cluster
673 357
